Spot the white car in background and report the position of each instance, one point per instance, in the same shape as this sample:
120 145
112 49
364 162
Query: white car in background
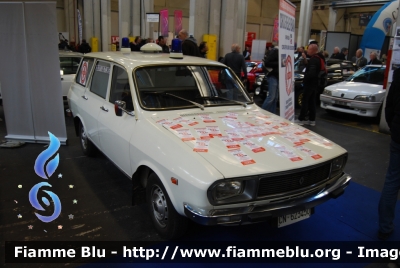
361 94
190 137
69 63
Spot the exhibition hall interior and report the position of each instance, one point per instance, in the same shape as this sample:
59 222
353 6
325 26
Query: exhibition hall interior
154 133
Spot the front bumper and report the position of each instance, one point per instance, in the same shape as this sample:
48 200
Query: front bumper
361 108
274 210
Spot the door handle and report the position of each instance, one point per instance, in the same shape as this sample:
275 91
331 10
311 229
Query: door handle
104 109
84 97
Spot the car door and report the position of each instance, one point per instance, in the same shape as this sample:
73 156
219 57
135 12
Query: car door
94 99
116 131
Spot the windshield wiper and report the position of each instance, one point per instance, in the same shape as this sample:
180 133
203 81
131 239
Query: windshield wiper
244 104
192 102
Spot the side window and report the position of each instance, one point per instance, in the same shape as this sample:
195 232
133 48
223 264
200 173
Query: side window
120 89
69 65
84 71
100 79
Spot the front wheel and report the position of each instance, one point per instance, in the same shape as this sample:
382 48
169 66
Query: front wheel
168 222
299 99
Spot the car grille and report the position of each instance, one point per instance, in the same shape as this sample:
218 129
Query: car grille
286 183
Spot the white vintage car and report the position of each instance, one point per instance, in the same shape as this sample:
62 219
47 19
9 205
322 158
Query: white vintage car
69 63
189 136
361 94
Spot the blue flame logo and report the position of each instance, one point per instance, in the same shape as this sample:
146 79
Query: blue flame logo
51 167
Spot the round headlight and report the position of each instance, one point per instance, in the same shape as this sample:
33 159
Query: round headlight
228 189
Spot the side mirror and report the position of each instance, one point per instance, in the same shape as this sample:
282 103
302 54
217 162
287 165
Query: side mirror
119 107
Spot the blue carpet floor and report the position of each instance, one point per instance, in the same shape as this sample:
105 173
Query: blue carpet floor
351 217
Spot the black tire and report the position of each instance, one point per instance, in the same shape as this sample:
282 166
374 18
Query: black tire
169 224
299 99
87 146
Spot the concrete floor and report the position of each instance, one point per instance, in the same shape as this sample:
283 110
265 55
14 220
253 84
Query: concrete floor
103 211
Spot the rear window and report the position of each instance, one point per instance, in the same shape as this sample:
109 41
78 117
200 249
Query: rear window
69 65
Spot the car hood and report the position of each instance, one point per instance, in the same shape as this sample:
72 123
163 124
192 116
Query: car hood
349 90
245 141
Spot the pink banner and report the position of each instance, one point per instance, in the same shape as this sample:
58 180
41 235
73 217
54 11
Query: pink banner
164 22
275 37
178 21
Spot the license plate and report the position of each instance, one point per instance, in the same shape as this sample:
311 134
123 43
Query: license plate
341 103
295 217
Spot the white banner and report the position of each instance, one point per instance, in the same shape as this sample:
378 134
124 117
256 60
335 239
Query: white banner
79 26
286 51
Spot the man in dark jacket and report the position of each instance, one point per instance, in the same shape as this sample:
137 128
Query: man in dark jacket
235 61
84 47
189 46
387 202
271 63
373 58
162 44
310 85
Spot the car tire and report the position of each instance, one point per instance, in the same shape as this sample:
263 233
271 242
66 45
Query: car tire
87 146
167 221
299 99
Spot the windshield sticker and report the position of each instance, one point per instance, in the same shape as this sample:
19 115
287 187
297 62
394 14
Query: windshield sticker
309 152
288 153
231 115
169 124
201 146
252 146
230 143
182 120
103 69
234 135
84 72
203 133
296 140
185 135
207 118
214 131
318 140
242 157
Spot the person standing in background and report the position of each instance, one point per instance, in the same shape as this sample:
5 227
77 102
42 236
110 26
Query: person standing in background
162 44
388 199
84 47
203 49
271 62
358 59
310 83
246 53
189 46
235 61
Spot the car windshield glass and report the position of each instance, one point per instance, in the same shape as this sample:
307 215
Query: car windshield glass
370 75
181 86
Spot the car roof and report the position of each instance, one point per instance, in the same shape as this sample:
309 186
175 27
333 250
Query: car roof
136 59
64 53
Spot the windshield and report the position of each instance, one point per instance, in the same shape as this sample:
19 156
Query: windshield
177 87
370 75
